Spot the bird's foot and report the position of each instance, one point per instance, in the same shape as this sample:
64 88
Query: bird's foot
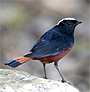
64 81
45 77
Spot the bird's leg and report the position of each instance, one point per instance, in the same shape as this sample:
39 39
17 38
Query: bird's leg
44 70
56 66
63 80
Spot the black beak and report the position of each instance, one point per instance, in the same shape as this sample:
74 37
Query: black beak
79 22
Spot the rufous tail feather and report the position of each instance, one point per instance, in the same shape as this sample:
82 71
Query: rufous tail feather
18 61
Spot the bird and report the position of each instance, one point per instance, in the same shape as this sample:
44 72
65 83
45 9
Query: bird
51 46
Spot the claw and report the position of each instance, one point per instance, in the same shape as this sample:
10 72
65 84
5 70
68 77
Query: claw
45 77
64 81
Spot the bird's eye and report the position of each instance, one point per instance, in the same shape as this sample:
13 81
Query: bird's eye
68 23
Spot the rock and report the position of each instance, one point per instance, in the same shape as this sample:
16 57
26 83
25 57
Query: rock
20 81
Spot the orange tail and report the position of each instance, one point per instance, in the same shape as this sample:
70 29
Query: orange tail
18 61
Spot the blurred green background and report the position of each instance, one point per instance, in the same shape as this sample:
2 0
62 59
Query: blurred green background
22 22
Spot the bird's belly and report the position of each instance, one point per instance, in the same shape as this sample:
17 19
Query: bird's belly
56 58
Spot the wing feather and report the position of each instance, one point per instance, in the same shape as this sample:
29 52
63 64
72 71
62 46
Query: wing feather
52 44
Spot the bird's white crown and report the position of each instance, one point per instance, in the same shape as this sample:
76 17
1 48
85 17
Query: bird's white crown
65 19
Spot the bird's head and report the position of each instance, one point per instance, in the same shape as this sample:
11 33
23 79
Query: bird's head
68 22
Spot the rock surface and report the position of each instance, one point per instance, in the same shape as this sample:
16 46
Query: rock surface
20 81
